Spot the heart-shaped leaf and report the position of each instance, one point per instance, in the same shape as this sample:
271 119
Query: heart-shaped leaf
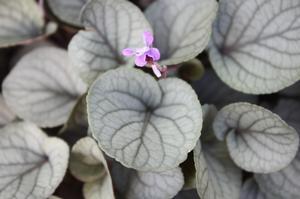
251 190
116 25
6 115
216 174
257 139
182 29
67 10
253 52
22 21
43 87
217 92
286 182
31 164
144 124
158 185
88 164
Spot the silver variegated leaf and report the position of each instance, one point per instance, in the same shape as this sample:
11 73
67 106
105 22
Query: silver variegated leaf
182 29
216 174
115 25
22 21
31 164
67 10
144 124
255 52
257 139
43 87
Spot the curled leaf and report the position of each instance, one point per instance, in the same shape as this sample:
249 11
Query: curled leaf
257 139
216 174
88 164
87 161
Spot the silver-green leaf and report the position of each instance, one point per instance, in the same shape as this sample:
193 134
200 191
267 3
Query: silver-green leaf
31 164
216 174
257 139
255 52
43 87
144 124
182 29
113 26
22 21
67 10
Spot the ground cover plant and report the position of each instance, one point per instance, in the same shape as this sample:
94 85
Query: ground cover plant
149 99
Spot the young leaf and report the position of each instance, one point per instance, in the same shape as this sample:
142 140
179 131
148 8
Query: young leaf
211 90
31 164
158 185
21 21
144 124
43 87
98 189
67 10
116 25
88 164
255 52
6 115
257 139
182 29
251 190
216 174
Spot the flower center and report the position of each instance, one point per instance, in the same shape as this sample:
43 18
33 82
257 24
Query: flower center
149 60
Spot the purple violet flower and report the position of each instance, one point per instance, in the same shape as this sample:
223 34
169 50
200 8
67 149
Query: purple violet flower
146 56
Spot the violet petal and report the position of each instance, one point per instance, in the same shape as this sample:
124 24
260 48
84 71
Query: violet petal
154 53
148 38
140 60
